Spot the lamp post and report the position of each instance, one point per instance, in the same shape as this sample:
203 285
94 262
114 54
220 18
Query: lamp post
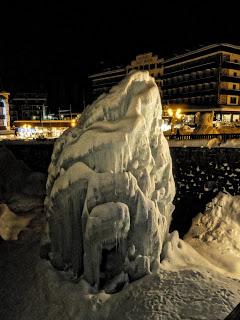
176 115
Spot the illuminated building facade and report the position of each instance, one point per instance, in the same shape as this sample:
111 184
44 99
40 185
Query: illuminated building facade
206 79
152 63
4 111
103 81
42 129
28 106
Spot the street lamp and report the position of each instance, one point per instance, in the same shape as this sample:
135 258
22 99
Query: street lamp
175 115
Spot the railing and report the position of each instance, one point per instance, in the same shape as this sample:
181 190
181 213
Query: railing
222 137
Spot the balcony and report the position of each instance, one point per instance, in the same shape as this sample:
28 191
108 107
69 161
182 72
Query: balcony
228 78
231 65
230 92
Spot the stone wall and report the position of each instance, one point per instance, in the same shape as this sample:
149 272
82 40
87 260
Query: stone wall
199 173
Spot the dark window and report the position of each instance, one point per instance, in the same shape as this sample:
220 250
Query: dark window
234 87
233 100
235 74
236 60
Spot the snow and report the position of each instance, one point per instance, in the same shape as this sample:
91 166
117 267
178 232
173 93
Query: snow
181 293
21 194
215 234
11 224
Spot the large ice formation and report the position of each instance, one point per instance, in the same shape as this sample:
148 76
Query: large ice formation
110 187
215 234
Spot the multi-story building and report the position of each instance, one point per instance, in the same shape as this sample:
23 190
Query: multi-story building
4 111
103 81
149 62
204 79
28 106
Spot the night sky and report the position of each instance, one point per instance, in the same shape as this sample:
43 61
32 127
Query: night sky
53 47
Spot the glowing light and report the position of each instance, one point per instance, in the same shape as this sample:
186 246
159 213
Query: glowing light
170 112
178 114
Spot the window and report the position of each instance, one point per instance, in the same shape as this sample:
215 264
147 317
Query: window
233 100
234 87
236 60
235 74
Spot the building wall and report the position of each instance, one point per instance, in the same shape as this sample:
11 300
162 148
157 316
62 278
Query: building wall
149 62
4 111
202 79
28 106
102 82
199 174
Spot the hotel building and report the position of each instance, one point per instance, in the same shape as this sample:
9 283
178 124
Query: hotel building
206 79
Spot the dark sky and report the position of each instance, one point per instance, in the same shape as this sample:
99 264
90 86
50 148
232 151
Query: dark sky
52 46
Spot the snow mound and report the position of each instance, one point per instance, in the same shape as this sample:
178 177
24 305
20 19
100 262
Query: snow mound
215 234
11 224
169 294
21 194
110 187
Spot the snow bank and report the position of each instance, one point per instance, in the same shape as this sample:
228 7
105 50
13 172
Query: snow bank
110 186
21 194
11 224
215 234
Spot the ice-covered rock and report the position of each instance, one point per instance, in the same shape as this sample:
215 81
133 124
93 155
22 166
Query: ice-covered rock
215 234
11 224
110 186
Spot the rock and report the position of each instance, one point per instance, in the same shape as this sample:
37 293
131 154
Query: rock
110 186
11 224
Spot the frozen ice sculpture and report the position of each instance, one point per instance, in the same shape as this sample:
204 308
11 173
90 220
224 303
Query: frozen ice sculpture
110 187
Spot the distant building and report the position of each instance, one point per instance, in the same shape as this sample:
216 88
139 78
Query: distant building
149 62
204 79
4 111
103 81
28 106
42 128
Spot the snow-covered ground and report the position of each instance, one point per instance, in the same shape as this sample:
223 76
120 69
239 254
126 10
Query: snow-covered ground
204 143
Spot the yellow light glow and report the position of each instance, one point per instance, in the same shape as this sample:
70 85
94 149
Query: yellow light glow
28 126
178 114
179 110
25 126
170 112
